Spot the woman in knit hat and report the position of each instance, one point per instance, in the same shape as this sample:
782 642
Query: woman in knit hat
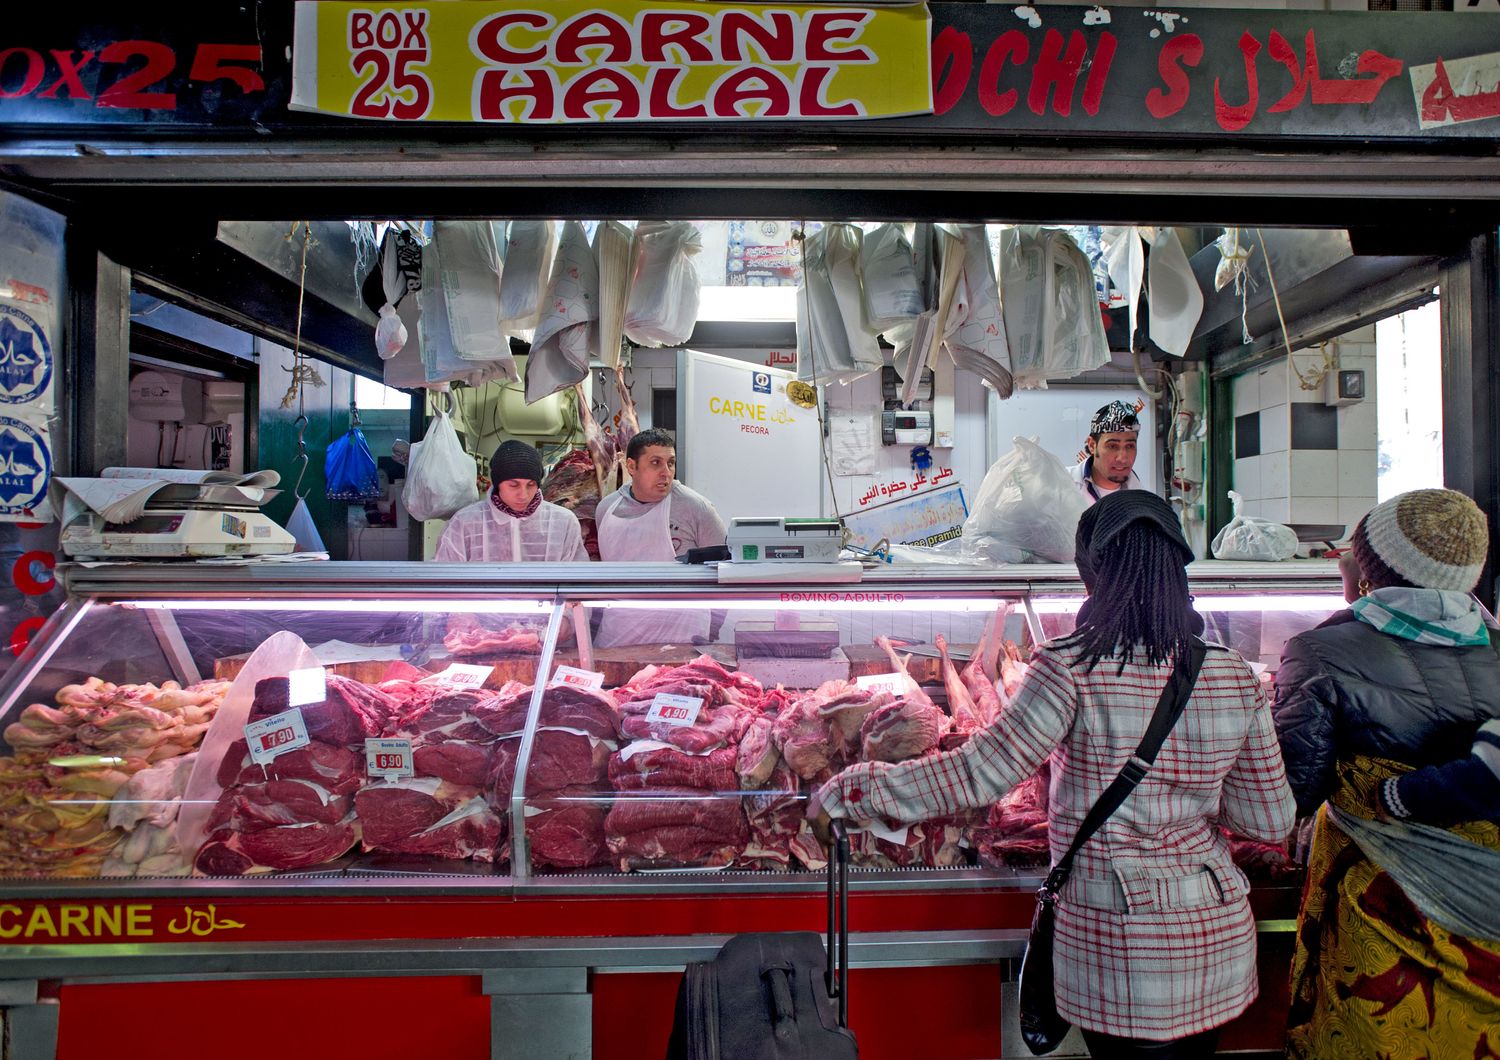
1389 719
512 524
1155 943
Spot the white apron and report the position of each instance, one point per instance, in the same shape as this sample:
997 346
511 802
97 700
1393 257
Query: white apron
647 539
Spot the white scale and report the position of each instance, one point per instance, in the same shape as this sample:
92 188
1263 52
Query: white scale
183 521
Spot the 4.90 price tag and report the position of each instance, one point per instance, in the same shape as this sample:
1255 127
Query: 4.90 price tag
276 735
389 759
674 710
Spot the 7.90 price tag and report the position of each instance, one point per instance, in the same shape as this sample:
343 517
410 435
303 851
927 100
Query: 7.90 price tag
389 759
276 735
674 710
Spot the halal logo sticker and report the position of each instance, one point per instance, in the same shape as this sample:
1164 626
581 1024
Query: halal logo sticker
25 358
761 382
25 467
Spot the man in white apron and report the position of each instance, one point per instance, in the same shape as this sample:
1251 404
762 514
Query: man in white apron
653 518
1111 448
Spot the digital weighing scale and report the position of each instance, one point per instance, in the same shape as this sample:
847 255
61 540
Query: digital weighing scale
779 539
183 521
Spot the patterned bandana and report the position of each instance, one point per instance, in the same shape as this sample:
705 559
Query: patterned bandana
1114 417
505 509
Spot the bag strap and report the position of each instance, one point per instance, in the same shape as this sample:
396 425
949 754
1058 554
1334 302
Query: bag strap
1169 707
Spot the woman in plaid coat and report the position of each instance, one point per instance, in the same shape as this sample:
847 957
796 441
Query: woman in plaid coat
1155 944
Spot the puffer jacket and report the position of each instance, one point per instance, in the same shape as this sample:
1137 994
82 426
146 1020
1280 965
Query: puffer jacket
1345 688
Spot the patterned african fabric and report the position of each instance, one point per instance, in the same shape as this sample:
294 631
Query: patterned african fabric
1371 976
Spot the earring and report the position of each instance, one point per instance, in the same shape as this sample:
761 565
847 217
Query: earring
1365 587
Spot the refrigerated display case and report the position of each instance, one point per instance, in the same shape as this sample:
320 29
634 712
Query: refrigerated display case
313 770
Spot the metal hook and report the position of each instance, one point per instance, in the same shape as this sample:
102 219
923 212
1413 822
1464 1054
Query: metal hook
301 424
353 415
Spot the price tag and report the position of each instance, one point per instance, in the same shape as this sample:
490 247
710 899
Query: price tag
389 759
674 710
460 675
276 735
892 683
572 675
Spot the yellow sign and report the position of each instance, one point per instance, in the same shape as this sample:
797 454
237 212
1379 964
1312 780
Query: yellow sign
571 61
70 922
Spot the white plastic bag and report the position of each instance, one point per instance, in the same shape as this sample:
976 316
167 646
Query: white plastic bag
662 309
441 361
835 342
304 530
1027 509
564 336
440 476
390 331
975 330
1172 293
469 266
529 246
892 294
1247 537
405 371
1050 306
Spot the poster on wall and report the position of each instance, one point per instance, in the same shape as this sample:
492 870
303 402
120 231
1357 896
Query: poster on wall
927 519
742 442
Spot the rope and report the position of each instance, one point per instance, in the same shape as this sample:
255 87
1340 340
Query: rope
801 237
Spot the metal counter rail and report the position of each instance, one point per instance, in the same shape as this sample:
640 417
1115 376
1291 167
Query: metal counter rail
350 580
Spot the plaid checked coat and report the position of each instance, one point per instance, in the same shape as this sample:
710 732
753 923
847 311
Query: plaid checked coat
1155 938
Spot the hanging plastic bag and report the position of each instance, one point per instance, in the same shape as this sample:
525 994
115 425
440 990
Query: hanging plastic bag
405 371
1026 511
1250 538
662 309
614 249
303 530
470 266
975 329
1050 306
892 294
564 336
1172 293
529 246
835 343
349 470
390 331
441 361
440 475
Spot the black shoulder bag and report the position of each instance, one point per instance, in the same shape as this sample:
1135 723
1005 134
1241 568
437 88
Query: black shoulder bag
1041 1027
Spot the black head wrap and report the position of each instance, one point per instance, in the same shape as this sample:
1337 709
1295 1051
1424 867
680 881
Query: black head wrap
1102 522
1115 417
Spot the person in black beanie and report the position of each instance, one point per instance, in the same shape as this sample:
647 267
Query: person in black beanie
513 524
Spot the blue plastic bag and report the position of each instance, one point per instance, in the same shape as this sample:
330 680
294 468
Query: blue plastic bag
350 470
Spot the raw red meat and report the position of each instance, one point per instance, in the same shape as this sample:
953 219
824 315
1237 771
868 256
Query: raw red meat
757 756
712 728
512 640
572 483
804 738
337 769
704 674
566 828
681 807
677 846
348 714
394 810
451 715
907 728
563 707
284 847
559 759
454 761
666 767
250 807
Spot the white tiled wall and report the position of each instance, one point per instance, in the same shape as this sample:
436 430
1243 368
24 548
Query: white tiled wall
1309 485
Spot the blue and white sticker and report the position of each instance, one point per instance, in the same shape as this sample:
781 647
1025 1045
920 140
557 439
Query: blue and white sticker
760 382
25 467
25 358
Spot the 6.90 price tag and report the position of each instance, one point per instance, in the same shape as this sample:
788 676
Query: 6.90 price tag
389 759
674 710
276 735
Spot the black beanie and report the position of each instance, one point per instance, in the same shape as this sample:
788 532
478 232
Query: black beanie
515 460
1102 522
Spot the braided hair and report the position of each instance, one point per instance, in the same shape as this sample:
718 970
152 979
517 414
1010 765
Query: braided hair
1138 602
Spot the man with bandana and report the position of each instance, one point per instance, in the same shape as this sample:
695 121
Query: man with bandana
1111 448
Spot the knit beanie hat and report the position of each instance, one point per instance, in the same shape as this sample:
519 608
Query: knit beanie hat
1102 523
515 460
1432 539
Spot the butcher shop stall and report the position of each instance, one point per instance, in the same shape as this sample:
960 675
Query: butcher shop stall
242 789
